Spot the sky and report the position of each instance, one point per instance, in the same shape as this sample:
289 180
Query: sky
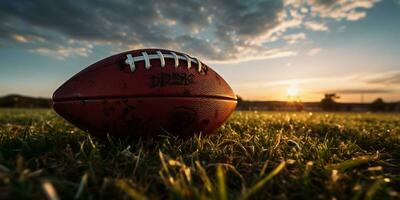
265 49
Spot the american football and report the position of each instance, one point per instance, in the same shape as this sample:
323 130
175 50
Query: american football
146 92
199 99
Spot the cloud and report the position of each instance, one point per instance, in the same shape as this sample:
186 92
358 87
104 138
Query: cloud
294 38
63 52
219 30
316 26
19 38
313 52
354 16
341 9
383 78
361 91
254 55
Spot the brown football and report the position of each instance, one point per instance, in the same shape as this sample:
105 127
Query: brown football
146 92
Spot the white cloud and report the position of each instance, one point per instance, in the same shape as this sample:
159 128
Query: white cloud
294 38
313 52
62 52
19 38
354 16
316 26
341 9
249 54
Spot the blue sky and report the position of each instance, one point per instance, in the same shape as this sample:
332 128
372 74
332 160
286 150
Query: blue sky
264 49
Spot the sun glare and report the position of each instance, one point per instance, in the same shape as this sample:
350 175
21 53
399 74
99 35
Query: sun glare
292 91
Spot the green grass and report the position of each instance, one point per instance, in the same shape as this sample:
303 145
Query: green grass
255 155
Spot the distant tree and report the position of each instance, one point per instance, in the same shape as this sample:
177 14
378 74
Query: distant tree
298 105
397 107
328 103
239 101
378 105
239 98
18 101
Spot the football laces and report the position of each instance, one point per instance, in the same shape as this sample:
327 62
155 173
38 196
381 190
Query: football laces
130 60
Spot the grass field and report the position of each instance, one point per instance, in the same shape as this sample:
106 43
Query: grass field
255 155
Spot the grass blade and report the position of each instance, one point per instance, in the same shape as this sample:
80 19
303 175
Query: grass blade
204 176
50 190
263 181
351 163
81 186
130 191
222 195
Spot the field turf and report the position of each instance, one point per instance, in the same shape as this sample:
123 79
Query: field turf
255 155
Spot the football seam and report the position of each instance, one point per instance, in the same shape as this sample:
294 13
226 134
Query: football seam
147 97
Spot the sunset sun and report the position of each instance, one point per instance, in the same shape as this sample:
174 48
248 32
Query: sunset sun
292 91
